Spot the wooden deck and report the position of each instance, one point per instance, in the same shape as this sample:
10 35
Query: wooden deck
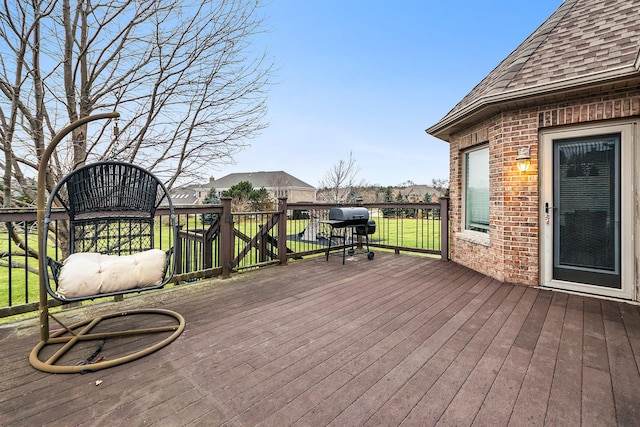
399 340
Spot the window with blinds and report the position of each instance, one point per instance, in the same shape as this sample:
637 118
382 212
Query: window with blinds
476 189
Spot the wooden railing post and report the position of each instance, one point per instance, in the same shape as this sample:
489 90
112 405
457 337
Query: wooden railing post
207 242
262 243
226 237
207 254
282 230
444 228
179 258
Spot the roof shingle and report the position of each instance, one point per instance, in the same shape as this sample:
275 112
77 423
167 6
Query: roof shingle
583 42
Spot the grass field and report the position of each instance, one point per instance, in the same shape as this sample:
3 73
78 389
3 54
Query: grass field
411 233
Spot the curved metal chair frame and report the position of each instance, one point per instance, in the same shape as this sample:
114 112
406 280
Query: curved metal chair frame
111 208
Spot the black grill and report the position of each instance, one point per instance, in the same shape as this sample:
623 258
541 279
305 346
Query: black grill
355 218
352 217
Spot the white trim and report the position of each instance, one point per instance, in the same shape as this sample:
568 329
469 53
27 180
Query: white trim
629 140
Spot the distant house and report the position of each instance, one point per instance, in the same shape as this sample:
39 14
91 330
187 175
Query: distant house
545 156
321 197
278 184
188 195
420 193
192 194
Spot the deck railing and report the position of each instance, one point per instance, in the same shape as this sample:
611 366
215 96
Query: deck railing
214 241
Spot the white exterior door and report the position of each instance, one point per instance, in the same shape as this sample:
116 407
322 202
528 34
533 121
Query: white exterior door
586 211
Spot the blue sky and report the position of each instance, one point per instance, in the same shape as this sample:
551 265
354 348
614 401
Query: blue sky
369 76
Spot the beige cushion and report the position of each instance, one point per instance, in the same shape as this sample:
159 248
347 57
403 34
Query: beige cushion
84 274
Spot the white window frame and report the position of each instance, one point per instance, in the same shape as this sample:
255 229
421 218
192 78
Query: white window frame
472 232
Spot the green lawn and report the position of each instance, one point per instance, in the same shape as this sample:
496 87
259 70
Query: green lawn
21 278
406 232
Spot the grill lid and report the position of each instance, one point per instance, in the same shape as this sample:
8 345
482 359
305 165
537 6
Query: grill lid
351 215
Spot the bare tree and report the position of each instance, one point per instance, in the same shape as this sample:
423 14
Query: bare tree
280 184
441 185
185 76
188 82
341 180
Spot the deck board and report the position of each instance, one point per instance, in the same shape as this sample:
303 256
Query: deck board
623 367
399 340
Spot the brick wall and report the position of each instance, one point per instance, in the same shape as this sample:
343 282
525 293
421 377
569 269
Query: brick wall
510 254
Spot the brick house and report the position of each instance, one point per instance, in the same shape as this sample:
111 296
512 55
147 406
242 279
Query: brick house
565 103
418 193
277 183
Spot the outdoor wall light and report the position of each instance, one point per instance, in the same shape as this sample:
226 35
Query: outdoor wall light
523 159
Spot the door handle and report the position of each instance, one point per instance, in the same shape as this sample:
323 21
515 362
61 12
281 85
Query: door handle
547 217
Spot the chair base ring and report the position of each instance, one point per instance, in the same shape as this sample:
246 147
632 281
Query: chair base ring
85 334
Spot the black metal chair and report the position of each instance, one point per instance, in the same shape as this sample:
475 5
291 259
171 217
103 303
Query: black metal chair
111 251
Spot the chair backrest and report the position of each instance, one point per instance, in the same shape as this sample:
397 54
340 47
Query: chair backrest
111 207
121 188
